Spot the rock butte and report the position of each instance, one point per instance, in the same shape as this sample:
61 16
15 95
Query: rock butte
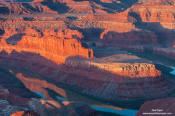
54 48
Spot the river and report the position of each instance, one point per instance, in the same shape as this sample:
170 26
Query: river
172 72
125 112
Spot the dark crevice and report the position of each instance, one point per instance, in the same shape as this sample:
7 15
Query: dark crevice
59 7
14 39
30 8
114 6
4 10
154 27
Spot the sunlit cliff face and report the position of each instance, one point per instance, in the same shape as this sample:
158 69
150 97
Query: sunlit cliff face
55 46
22 113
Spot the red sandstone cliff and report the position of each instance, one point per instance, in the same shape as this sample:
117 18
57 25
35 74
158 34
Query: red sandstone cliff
25 113
55 46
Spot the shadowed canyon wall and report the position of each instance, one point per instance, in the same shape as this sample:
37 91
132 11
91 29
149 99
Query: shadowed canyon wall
116 87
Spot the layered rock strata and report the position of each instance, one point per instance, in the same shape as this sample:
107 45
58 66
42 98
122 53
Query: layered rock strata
104 85
47 44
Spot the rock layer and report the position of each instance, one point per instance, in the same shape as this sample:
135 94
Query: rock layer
103 85
53 47
25 113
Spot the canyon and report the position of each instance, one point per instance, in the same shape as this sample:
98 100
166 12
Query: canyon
106 53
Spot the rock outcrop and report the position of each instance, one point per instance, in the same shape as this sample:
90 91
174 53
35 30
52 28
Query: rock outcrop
25 113
139 70
55 46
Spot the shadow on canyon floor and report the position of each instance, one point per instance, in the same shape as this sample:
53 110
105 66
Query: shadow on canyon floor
114 6
13 90
161 32
59 7
1 33
148 54
79 79
14 85
89 34
14 39
30 7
